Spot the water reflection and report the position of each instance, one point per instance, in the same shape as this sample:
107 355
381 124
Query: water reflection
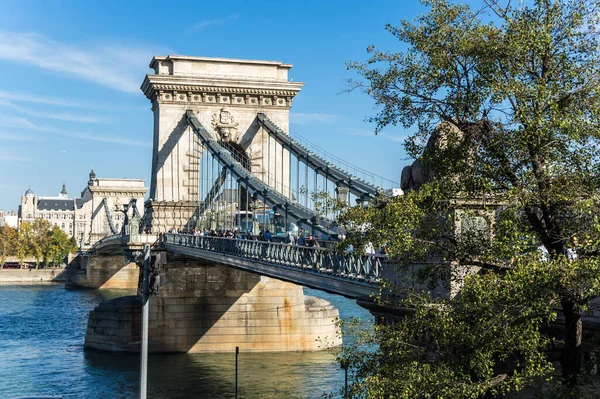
187 376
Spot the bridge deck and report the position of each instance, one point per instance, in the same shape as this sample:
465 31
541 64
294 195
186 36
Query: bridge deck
350 275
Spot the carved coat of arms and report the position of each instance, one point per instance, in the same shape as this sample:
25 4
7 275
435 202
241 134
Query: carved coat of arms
225 124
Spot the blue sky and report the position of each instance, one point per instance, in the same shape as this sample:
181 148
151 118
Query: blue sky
70 73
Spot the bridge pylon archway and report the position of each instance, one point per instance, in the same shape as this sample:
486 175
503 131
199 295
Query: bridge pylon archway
226 95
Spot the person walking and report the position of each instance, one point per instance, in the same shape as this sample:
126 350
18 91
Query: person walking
314 255
289 238
268 236
300 240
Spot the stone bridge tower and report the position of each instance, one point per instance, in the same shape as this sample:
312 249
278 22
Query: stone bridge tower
227 94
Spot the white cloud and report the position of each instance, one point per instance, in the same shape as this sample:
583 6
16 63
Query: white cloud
36 99
14 158
10 187
23 123
61 116
17 97
14 137
205 23
118 68
300 118
106 139
18 122
398 138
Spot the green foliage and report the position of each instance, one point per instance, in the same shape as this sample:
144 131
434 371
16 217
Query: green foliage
58 246
40 240
486 341
323 204
8 237
510 93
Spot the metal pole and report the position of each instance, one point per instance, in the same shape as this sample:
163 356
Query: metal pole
219 197
289 182
286 217
239 200
297 179
346 382
326 192
237 352
266 213
269 160
231 201
344 364
145 313
306 182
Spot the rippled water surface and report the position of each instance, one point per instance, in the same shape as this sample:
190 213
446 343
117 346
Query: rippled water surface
42 329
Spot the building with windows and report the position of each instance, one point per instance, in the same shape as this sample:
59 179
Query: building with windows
98 213
9 218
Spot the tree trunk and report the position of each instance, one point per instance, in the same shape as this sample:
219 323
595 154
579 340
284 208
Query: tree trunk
571 366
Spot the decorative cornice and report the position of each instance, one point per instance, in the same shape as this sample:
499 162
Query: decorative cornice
228 96
230 91
225 90
118 191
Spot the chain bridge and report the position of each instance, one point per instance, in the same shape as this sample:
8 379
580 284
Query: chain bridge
226 173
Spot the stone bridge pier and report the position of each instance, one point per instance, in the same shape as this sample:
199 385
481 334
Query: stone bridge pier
213 308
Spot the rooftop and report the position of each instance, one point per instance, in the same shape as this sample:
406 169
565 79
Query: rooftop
50 204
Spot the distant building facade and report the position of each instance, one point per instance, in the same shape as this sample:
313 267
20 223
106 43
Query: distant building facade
9 218
95 215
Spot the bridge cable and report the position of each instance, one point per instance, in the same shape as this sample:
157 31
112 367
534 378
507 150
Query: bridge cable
298 213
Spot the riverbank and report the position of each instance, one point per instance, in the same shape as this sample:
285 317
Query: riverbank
32 276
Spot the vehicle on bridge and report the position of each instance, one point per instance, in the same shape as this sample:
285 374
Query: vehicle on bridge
248 222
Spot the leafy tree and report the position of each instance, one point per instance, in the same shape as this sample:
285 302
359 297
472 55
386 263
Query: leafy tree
73 246
40 229
511 94
486 341
59 245
7 241
21 247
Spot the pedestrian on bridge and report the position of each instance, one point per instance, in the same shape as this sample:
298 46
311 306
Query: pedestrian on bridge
300 240
311 242
268 236
289 238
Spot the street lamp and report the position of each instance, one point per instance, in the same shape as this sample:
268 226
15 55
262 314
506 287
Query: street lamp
344 364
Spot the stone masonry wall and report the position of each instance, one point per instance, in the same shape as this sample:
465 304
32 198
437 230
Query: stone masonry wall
209 308
102 272
31 276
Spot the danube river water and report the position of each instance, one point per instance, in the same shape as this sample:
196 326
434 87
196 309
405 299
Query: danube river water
42 329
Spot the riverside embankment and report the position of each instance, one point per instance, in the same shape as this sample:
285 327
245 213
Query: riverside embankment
32 276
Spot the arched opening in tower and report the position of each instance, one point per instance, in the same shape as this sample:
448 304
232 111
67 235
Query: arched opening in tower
240 155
